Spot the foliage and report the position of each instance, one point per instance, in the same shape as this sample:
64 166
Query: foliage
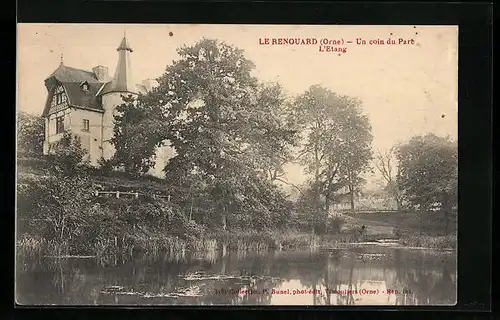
275 148
137 134
428 172
337 143
30 134
60 202
385 164
223 134
67 155
105 167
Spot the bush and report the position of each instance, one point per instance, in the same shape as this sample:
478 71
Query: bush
105 166
335 223
67 155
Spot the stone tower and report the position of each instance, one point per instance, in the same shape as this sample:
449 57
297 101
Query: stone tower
113 92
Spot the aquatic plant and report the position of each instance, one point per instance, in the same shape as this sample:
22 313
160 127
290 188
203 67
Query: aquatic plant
31 247
433 242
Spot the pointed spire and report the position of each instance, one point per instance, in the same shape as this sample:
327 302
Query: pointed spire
62 59
125 45
123 80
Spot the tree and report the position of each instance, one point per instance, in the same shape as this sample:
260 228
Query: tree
138 132
337 143
275 149
216 116
30 134
385 164
428 172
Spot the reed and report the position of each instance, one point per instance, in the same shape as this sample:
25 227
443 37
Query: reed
31 248
202 245
431 242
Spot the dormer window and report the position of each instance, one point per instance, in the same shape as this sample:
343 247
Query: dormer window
85 86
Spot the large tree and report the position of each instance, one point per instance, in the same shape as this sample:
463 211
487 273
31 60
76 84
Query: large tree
226 130
428 172
337 143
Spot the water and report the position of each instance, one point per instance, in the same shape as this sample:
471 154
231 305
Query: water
356 276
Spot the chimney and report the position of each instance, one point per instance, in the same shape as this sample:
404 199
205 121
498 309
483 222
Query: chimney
101 72
150 84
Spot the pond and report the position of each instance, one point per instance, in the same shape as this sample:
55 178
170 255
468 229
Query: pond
353 276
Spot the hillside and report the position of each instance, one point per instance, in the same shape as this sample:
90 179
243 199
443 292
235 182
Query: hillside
115 181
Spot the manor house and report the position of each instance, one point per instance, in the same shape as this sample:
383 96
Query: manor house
84 103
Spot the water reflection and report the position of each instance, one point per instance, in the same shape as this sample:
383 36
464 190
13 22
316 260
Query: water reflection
362 276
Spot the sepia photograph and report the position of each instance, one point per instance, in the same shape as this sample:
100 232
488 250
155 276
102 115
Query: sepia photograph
214 165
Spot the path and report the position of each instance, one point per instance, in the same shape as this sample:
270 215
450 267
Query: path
374 227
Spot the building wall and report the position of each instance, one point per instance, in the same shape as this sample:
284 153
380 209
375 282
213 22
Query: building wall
109 102
50 128
73 121
92 139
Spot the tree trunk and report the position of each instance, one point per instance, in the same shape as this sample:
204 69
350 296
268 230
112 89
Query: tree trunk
224 222
327 280
61 274
316 191
351 197
191 210
327 211
63 223
398 204
422 221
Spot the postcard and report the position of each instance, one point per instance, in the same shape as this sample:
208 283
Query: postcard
204 164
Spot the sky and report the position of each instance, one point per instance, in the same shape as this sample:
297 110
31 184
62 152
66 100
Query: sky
406 90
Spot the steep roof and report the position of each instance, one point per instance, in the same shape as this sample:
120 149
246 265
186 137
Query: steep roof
124 45
67 74
137 88
72 79
123 81
77 97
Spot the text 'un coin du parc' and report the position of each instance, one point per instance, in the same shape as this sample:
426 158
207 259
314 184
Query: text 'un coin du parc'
334 45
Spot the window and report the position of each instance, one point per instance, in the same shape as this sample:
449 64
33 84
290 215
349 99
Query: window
59 124
86 125
59 96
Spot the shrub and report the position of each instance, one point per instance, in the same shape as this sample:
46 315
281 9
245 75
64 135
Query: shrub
105 166
67 155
